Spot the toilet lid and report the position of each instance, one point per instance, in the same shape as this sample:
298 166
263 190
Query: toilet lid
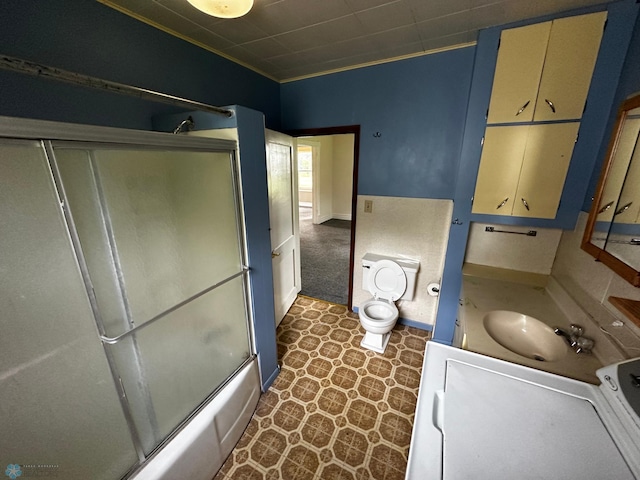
387 280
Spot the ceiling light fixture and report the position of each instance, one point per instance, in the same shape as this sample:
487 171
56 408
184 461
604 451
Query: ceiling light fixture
223 8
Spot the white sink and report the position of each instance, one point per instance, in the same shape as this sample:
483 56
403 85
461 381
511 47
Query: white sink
525 335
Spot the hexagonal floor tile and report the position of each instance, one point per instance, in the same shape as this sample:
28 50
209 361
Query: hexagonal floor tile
336 411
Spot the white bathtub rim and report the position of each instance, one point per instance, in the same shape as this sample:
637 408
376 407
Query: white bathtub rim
198 451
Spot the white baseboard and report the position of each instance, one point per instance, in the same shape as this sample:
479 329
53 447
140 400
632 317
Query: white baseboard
324 218
337 216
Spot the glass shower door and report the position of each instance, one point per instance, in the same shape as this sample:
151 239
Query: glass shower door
160 233
59 410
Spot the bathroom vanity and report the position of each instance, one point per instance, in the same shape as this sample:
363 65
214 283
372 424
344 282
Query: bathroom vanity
489 291
483 418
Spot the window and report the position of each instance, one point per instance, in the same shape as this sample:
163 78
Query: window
305 163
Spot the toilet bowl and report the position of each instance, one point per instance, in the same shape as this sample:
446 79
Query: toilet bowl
387 283
377 317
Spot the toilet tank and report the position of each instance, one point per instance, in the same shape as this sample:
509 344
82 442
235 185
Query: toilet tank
409 266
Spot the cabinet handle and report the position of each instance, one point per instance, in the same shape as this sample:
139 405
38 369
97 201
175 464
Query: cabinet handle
551 106
606 207
526 205
623 209
503 203
523 107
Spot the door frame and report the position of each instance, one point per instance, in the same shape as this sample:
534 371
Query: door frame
341 130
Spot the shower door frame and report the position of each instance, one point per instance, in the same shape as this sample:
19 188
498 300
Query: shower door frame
56 134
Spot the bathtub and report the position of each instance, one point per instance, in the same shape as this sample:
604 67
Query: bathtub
200 448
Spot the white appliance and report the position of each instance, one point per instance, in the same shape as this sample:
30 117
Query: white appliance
486 419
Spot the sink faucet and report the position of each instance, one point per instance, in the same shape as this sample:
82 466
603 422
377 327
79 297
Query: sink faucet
576 331
575 339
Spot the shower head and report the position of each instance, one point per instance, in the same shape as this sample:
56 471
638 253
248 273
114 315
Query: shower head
189 124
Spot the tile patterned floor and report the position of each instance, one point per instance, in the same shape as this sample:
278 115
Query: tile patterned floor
336 411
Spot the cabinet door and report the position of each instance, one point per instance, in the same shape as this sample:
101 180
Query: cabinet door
571 56
500 166
518 70
544 169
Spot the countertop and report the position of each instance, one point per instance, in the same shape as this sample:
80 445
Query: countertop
486 289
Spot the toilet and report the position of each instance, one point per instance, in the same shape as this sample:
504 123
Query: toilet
388 279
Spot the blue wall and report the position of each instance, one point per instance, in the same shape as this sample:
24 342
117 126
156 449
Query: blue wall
418 106
253 162
87 37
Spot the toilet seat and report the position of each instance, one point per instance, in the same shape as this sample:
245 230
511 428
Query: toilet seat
387 280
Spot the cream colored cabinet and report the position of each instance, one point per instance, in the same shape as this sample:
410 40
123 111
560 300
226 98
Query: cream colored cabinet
543 74
518 71
500 166
544 70
523 168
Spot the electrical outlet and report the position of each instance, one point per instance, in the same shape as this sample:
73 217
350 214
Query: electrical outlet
368 206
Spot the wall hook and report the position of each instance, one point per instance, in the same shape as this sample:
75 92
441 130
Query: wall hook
377 135
456 222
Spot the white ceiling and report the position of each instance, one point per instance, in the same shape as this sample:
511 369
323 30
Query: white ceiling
289 39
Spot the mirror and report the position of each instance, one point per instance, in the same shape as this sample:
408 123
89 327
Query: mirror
612 234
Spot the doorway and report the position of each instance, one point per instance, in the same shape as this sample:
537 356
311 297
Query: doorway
327 179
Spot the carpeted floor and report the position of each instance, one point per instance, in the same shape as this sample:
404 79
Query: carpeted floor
324 258
336 411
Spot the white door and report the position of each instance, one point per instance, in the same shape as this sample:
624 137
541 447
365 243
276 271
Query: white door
283 212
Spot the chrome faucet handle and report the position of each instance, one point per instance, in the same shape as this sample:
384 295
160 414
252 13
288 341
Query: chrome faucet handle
584 345
576 330
571 339
562 333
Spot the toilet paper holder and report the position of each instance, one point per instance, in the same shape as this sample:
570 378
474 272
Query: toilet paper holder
433 289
